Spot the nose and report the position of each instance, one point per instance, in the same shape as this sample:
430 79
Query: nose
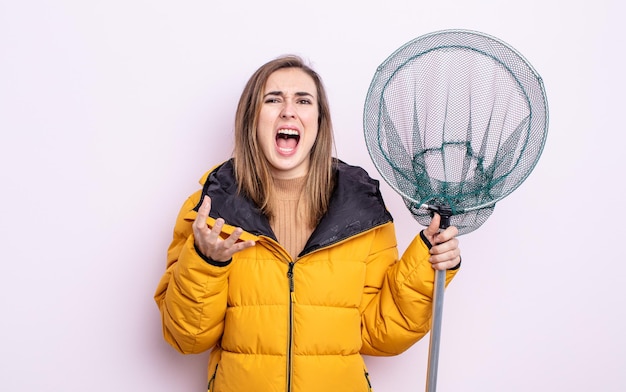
288 111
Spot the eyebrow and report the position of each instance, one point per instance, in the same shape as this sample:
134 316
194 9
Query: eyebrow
298 94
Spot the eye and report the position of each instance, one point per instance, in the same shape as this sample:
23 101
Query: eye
272 100
305 101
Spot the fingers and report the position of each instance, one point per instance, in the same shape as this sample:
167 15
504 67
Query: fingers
445 252
445 255
433 228
446 235
224 249
203 213
446 265
234 244
209 241
216 230
233 238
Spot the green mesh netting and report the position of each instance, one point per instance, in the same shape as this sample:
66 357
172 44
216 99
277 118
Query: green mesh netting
455 118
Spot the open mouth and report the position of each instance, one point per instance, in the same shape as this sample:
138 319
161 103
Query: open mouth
287 139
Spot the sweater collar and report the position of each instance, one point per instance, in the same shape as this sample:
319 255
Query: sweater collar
289 189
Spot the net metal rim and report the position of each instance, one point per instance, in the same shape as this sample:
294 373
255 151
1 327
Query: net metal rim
481 35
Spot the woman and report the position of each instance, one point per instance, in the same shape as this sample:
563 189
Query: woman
285 263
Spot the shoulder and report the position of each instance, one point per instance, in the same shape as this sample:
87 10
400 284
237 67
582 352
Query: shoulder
222 169
352 172
349 176
359 194
216 181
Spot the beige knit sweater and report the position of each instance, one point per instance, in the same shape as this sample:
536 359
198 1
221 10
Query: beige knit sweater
289 223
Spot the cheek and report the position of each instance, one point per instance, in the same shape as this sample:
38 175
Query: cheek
311 119
313 130
264 138
264 119
264 127
311 138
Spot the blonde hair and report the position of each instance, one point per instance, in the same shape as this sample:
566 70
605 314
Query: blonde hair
252 168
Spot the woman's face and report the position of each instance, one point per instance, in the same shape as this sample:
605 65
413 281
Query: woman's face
288 122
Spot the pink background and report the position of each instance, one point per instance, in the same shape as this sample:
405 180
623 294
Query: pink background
111 111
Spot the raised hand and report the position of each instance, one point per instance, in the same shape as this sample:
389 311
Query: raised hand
209 241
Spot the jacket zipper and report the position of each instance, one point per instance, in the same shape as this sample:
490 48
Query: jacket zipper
290 342
367 378
212 380
290 263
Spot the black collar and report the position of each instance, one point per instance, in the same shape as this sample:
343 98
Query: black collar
356 205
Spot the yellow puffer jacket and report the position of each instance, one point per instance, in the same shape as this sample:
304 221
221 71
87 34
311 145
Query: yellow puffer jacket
278 324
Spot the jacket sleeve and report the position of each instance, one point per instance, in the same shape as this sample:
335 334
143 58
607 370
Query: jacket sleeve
192 294
397 302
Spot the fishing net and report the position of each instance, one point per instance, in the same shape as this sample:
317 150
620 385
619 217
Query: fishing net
455 119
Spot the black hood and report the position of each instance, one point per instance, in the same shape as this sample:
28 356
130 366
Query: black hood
356 205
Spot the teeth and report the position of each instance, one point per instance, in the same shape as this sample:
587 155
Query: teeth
290 132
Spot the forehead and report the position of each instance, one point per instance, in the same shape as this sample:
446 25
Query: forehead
291 80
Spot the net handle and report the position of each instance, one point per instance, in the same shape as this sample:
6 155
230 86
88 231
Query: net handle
435 332
438 294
